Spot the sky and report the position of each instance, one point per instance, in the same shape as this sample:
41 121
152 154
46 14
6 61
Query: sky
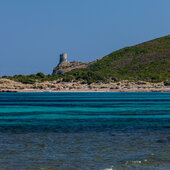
33 33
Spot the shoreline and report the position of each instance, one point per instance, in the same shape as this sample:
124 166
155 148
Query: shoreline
84 90
7 85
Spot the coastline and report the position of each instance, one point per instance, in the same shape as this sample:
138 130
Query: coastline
7 85
85 90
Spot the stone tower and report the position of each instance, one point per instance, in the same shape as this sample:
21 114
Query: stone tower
63 59
62 63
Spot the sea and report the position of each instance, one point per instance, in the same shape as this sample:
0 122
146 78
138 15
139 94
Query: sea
85 131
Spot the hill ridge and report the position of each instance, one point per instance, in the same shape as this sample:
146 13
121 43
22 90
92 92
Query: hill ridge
147 61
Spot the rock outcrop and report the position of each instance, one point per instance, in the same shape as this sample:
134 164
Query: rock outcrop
65 66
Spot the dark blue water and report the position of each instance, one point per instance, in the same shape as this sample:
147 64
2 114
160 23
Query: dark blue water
84 130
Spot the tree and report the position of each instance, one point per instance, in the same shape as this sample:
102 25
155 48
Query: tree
41 75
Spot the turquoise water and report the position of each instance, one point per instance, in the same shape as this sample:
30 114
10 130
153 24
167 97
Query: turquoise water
84 130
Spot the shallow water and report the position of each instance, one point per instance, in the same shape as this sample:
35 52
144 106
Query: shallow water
84 131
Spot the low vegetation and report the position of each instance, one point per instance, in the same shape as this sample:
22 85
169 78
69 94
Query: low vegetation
31 79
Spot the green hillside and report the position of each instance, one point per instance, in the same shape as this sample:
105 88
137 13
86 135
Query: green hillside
149 61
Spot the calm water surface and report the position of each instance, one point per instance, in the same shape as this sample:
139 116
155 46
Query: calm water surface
72 131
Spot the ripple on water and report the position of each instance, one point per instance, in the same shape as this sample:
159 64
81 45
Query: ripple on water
85 131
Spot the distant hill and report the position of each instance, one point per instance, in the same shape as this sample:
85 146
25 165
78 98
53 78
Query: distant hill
149 61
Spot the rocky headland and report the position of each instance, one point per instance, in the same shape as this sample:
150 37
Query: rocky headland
139 68
65 66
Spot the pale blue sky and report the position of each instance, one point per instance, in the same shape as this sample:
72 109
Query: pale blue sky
34 32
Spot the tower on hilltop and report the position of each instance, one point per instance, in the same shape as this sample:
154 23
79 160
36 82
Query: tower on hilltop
66 66
63 58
